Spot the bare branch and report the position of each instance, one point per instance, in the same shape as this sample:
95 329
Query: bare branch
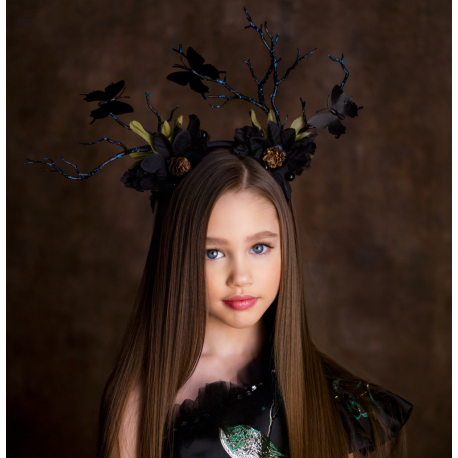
274 64
341 61
120 122
173 111
159 122
298 59
284 124
236 94
83 176
248 62
220 97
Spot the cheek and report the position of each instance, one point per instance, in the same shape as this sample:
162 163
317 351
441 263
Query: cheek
211 283
271 275
267 277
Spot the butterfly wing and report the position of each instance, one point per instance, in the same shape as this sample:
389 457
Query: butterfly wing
113 89
210 71
95 95
321 121
197 85
196 61
338 98
336 128
351 108
118 107
181 78
101 112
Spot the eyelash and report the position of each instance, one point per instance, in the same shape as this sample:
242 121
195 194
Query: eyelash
258 254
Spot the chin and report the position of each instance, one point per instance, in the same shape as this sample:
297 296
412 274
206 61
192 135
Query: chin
238 319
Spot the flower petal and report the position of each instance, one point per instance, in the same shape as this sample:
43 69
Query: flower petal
303 135
155 163
194 127
140 155
162 145
258 145
271 116
256 123
287 138
254 120
182 143
136 127
179 122
167 130
298 124
274 132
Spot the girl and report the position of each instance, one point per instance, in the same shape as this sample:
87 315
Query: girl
218 358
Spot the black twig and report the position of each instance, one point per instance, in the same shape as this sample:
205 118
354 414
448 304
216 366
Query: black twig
248 62
120 122
274 63
173 111
298 59
83 176
159 122
284 123
236 94
341 61
228 98
303 111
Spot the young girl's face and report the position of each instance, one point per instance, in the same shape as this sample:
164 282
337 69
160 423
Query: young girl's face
242 258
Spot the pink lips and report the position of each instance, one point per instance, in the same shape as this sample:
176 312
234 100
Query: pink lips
243 302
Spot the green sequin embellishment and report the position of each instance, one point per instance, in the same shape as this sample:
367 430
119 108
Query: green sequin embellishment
246 442
352 405
243 441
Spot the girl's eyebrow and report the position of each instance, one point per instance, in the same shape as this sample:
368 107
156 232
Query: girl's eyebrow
250 238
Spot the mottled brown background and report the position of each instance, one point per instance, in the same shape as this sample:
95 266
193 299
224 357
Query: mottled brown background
374 207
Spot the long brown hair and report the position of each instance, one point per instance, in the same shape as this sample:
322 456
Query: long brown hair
165 336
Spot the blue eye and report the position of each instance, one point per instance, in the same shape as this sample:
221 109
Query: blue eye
210 254
261 245
258 249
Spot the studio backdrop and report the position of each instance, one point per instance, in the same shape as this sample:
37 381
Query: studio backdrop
374 207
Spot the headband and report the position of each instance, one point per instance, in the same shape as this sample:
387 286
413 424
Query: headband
171 151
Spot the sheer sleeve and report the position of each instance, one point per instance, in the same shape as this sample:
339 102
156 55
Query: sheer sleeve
393 411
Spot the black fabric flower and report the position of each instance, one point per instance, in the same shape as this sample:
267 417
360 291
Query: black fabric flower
242 138
162 170
297 154
139 179
189 144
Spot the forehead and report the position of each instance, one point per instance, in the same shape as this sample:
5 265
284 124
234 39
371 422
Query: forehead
237 215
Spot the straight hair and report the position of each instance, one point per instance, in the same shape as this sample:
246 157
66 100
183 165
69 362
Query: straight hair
165 335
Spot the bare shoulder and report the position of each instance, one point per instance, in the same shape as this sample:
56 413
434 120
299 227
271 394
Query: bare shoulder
127 444
351 455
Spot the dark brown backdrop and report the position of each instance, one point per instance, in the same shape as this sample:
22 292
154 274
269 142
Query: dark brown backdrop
374 207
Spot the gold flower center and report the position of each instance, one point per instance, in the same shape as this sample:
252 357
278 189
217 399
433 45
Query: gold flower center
274 157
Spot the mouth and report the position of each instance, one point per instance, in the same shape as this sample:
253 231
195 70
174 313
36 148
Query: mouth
241 302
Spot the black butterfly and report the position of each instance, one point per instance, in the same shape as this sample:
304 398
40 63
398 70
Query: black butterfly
109 101
196 62
340 107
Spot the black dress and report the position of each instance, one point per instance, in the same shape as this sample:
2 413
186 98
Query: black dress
247 419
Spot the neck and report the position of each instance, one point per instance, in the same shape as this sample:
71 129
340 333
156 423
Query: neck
226 342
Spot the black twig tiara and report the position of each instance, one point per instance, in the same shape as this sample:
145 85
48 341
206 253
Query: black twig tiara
171 151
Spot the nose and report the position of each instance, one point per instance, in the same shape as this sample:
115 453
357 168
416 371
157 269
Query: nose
240 274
